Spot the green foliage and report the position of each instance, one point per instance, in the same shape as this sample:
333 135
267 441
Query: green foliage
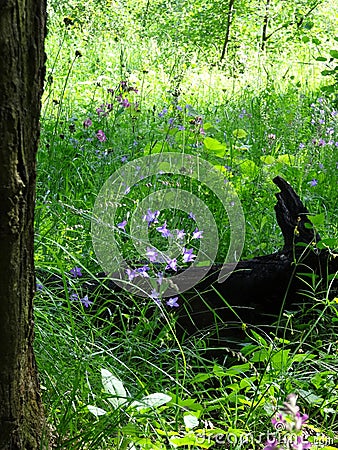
129 79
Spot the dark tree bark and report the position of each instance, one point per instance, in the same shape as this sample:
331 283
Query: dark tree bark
228 28
22 59
265 24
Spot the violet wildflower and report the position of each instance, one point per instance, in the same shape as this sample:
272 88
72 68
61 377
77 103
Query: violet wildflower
313 182
172 302
301 145
142 271
85 301
101 136
273 445
188 255
132 273
127 190
124 159
76 272
100 111
122 225
160 278
152 254
197 234
125 103
164 230
191 216
181 127
151 217
87 123
242 114
300 444
155 296
271 136
180 234
39 287
172 264
163 112
171 121
300 420
73 297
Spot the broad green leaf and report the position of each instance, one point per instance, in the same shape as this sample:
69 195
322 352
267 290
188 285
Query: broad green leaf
260 356
268 159
249 168
151 401
259 339
190 421
321 58
96 411
280 360
214 146
334 53
286 159
218 371
317 220
114 386
235 370
328 243
239 133
200 377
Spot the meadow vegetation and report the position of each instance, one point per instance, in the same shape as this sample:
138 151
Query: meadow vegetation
130 79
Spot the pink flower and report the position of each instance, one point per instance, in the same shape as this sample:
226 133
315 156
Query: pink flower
87 123
101 136
125 103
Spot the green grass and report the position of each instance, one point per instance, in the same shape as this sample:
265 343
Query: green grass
269 120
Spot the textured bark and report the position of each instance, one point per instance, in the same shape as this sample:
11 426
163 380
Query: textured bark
22 58
228 28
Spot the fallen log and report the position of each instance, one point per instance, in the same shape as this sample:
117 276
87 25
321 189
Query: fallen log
255 293
259 289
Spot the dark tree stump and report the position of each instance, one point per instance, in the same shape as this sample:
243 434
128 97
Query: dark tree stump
260 288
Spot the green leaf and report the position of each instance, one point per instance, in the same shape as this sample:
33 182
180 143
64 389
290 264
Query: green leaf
114 386
260 356
305 39
280 360
317 220
235 370
286 159
327 243
259 339
200 377
239 133
96 411
334 53
249 168
268 159
214 146
321 58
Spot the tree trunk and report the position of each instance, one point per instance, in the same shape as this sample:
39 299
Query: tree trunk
22 59
265 24
227 32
